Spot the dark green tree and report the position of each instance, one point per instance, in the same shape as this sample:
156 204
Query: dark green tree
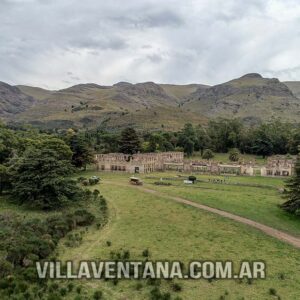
83 154
39 176
129 141
292 191
188 147
5 179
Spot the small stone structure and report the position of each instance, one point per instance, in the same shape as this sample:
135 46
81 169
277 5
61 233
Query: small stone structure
151 162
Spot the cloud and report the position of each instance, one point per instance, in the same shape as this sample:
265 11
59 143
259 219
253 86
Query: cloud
61 42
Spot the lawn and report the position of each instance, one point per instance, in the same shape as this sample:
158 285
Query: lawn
172 231
255 198
224 158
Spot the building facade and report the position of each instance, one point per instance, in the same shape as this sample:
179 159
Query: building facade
163 161
138 163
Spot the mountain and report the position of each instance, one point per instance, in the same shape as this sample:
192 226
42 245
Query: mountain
294 86
143 105
151 106
13 101
250 97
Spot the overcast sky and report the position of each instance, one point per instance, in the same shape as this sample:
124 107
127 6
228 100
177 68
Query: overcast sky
58 43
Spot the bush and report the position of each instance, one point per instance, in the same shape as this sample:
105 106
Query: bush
176 287
63 291
94 180
98 295
234 154
85 182
192 178
70 287
207 154
272 292
146 253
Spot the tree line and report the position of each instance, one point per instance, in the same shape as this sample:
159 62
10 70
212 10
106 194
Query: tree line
219 136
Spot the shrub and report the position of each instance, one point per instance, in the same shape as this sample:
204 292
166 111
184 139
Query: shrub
63 291
272 292
126 254
176 287
98 295
192 178
234 154
146 253
85 182
70 287
94 180
207 154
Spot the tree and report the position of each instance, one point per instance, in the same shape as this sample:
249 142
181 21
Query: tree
234 154
129 142
192 178
203 140
294 141
82 153
39 176
292 192
188 147
207 154
5 180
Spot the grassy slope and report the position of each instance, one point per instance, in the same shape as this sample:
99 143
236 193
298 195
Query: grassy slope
35 92
112 106
294 86
181 91
173 231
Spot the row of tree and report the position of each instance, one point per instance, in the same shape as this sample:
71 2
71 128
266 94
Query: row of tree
218 135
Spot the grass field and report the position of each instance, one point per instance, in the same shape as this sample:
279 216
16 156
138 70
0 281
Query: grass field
172 231
224 158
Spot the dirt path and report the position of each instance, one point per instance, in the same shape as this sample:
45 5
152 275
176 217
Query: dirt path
280 235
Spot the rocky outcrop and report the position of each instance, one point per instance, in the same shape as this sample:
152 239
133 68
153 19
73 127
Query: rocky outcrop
13 101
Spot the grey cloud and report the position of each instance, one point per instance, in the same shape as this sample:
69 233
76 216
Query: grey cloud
207 41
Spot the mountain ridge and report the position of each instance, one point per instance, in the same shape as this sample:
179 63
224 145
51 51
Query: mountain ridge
149 105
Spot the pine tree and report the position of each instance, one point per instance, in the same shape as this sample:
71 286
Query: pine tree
292 192
129 142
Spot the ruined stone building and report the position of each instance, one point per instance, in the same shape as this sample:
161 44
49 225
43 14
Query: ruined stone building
138 163
151 162
279 166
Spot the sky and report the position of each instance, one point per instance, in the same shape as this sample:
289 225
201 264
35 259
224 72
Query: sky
59 43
